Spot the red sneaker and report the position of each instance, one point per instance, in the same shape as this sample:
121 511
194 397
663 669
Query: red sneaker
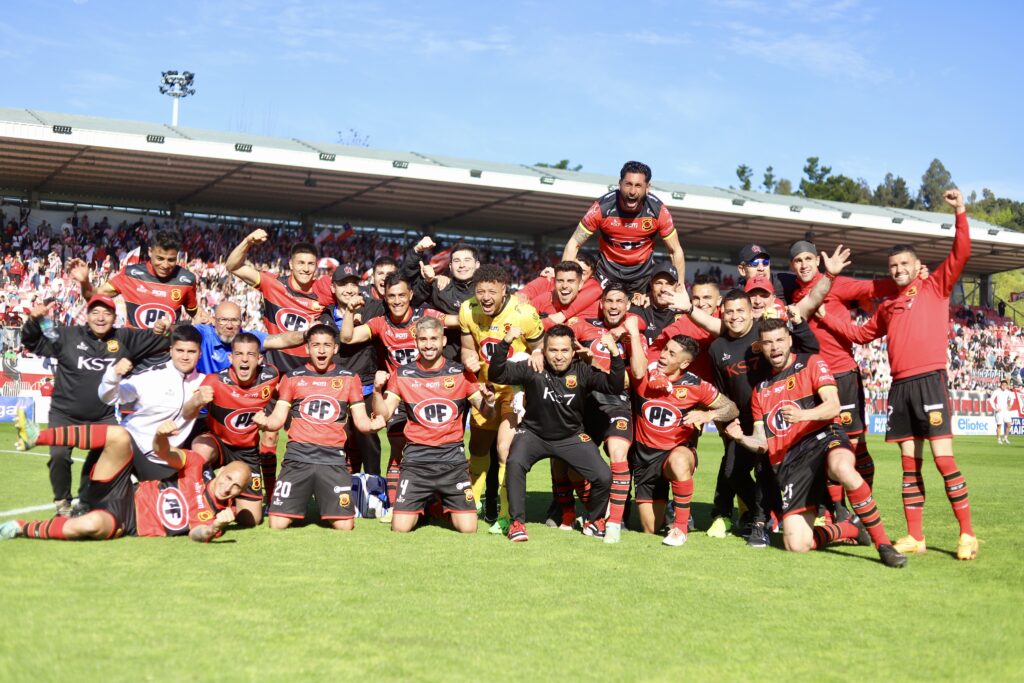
517 532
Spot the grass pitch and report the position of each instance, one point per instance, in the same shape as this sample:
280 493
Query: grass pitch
314 604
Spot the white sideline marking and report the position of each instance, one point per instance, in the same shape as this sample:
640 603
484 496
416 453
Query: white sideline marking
38 455
21 511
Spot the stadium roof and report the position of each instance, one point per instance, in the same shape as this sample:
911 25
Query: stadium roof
66 157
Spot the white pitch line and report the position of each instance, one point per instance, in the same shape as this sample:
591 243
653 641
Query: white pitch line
38 455
21 511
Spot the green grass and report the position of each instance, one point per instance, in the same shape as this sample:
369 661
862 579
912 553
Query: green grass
432 605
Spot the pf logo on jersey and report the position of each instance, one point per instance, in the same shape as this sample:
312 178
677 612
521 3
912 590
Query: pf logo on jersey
435 412
146 315
661 415
239 421
173 509
291 319
777 423
321 409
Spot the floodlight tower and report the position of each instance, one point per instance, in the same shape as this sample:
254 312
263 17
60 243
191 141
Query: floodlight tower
176 85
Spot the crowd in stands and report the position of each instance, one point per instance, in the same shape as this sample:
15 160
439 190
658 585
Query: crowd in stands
983 348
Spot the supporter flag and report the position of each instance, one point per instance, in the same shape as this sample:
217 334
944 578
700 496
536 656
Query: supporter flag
346 232
327 263
325 236
133 256
440 260
1016 296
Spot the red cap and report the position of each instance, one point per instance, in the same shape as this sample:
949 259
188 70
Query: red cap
100 300
759 283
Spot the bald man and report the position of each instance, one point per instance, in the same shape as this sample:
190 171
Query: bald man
217 338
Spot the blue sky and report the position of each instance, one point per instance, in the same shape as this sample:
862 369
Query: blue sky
693 88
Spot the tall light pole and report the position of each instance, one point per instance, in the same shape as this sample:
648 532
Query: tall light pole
177 85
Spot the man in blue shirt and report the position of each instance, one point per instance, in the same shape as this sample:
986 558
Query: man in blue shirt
227 323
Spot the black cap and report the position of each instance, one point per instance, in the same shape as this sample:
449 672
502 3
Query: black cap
665 268
344 272
751 252
803 246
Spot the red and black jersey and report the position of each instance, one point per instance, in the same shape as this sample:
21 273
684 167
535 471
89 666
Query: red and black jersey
658 415
149 298
320 405
589 332
397 340
286 309
233 406
178 504
436 401
541 292
797 385
701 365
627 238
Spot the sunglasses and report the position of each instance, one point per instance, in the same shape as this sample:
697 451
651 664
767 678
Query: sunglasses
758 262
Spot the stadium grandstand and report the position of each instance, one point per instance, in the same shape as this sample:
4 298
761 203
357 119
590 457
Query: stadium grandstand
75 186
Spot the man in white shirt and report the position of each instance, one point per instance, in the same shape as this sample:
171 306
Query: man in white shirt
1001 399
169 391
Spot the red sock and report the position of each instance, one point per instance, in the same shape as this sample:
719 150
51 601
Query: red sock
835 492
85 437
956 491
830 533
865 464
864 507
682 494
619 491
582 488
268 469
47 529
913 496
394 474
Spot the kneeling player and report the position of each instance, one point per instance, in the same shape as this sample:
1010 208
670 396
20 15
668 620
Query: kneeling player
436 393
239 392
190 502
667 427
796 420
318 398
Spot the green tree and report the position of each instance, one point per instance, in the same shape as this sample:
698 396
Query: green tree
744 173
769 180
935 181
562 165
784 186
814 184
892 191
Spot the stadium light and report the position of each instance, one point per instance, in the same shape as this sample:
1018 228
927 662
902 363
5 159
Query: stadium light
62 130
327 156
947 226
897 220
400 164
176 85
796 209
243 147
547 180
739 202
993 231
846 214
678 195
475 173
156 139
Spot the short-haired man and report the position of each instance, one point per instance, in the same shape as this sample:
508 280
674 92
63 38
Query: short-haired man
168 391
437 394
660 311
566 297
218 337
1001 400
318 399
553 423
626 220
188 501
916 323
796 420
151 291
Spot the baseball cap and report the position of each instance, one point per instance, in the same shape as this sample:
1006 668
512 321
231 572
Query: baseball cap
801 247
759 283
345 271
100 300
751 252
665 268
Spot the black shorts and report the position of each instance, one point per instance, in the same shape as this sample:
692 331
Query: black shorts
649 481
331 485
249 455
603 421
919 408
636 278
419 482
802 474
851 402
146 466
116 498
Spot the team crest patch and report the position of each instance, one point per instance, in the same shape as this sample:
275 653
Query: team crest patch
584 437
834 444
935 418
257 483
647 224
469 494
791 384
570 381
344 500
912 291
113 346
622 424
756 347
449 382
336 383
205 515
265 392
175 294
846 418
681 393
507 327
